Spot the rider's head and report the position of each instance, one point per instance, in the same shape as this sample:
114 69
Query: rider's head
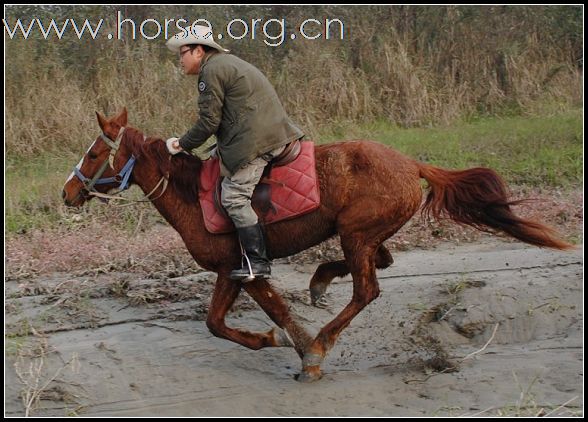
191 45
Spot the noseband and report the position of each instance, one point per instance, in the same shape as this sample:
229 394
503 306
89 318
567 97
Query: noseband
122 177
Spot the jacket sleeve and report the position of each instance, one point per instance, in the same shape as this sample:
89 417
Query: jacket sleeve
210 103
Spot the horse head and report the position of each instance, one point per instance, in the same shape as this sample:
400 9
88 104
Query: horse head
111 159
107 164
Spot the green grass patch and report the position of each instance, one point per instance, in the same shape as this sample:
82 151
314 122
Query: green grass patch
537 151
33 190
33 197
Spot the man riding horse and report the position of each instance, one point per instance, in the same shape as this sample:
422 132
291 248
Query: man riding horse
238 104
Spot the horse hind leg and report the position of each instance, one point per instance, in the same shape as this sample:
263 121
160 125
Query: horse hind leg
328 271
361 263
322 278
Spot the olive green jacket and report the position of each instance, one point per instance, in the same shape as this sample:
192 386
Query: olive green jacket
239 105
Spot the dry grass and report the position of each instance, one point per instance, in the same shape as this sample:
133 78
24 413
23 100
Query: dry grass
449 63
526 405
37 384
97 248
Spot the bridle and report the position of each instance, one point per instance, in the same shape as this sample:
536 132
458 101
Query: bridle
122 178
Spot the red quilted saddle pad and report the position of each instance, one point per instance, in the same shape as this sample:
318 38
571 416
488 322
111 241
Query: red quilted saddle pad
293 190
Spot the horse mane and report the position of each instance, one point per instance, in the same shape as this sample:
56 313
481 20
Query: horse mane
183 169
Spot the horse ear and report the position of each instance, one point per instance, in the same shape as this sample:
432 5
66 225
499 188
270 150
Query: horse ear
121 119
102 122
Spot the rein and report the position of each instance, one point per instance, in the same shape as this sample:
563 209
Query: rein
145 198
122 177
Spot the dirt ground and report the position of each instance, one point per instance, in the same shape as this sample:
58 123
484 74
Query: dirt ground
489 328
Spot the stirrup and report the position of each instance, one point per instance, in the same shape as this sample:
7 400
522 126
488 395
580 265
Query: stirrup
250 277
255 265
250 272
246 278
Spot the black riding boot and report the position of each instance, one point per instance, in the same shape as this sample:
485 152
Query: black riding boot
255 262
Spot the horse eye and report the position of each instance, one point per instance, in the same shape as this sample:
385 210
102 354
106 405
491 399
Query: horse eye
92 156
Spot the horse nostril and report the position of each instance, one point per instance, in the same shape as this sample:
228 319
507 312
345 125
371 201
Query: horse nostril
66 201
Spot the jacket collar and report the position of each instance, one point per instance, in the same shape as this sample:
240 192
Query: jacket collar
207 57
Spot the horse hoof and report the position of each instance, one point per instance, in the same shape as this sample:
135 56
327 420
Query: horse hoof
309 375
318 297
321 302
282 338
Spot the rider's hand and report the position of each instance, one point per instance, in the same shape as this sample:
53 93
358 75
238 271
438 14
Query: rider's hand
173 146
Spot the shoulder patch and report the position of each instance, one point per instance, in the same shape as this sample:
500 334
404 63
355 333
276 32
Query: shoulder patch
201 86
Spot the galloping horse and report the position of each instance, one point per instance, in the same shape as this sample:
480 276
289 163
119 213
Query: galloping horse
368 192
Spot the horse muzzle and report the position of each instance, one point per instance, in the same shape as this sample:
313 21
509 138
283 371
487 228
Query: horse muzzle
81 197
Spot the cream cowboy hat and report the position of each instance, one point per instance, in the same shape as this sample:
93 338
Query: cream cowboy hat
195 34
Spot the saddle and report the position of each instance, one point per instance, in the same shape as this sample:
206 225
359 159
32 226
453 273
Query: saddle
288 188
290 153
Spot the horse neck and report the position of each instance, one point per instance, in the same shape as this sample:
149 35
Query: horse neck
180 208
153 162
146 173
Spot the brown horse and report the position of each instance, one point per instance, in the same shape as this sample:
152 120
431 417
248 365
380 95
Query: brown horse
368 192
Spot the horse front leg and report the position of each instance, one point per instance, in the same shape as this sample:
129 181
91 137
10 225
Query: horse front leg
225 294
275 307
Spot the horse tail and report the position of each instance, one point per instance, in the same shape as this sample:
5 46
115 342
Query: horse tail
478 197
